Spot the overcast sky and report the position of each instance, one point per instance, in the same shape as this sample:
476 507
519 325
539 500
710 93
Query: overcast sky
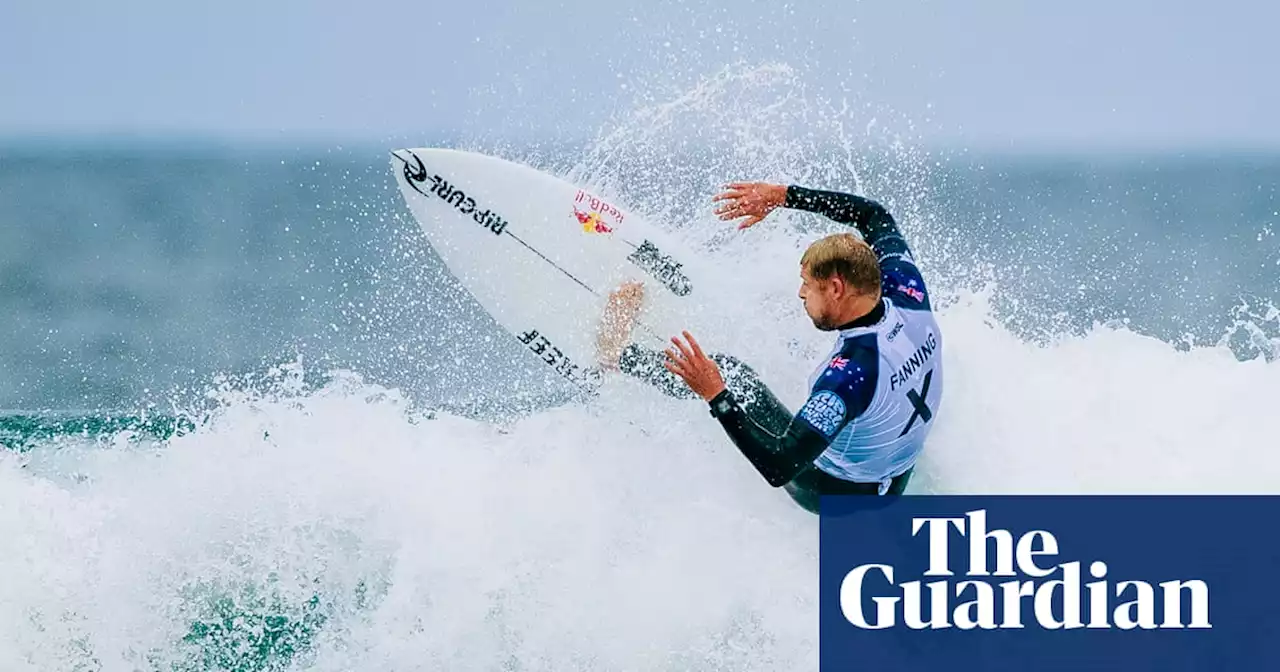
976 73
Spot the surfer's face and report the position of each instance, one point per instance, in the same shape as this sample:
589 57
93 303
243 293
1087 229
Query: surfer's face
819 297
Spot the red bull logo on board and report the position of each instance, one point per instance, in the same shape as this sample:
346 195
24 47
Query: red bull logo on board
595 214
591 222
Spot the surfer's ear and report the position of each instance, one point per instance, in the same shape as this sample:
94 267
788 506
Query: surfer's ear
839 287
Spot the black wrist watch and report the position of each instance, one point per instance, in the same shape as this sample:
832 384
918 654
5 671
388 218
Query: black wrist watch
722 404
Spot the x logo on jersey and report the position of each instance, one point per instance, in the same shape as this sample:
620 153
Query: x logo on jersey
917 400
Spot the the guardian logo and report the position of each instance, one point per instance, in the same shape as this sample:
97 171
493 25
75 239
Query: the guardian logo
1038 590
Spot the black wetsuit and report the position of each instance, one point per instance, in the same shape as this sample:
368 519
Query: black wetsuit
867 361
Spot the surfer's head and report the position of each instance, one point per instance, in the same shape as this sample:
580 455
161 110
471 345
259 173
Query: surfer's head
839 280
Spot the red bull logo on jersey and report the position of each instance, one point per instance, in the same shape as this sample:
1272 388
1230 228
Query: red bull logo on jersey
595 214
912 292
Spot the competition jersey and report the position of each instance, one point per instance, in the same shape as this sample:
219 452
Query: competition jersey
873 398
874 395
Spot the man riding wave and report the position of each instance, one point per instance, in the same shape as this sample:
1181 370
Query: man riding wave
872 398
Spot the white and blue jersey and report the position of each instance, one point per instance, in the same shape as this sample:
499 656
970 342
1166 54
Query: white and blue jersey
875 394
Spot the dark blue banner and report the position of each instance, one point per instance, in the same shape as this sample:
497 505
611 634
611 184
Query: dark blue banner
1050 583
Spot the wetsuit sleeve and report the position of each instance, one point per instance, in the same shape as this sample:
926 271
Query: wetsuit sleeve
841 393
900 280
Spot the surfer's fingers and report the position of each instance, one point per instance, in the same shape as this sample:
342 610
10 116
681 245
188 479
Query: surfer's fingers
685 355
675 365
734 206
697 349
750 222
730 193
752 206
734 212
684 350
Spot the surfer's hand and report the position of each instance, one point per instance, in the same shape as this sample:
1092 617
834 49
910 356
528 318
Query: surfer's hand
695 368
753 200
617 322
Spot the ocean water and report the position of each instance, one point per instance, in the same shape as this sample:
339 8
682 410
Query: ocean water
251 423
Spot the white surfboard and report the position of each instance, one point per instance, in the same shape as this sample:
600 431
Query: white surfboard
541 254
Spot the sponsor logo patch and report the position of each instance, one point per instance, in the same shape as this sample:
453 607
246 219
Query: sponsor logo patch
825 411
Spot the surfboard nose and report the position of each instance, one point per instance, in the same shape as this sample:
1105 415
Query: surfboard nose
410 166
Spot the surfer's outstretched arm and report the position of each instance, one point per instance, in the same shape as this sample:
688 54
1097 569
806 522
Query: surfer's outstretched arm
779 455
781 447
870 218
842 393
758 423
753 201
901 281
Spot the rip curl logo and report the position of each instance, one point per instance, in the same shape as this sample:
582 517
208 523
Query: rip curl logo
415 171
1053 597
415 174
825 411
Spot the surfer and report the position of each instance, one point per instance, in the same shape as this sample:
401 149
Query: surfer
873 397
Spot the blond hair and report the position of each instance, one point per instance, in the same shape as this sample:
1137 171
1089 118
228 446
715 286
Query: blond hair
847 256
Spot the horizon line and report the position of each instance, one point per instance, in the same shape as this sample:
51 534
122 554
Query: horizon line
170 140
